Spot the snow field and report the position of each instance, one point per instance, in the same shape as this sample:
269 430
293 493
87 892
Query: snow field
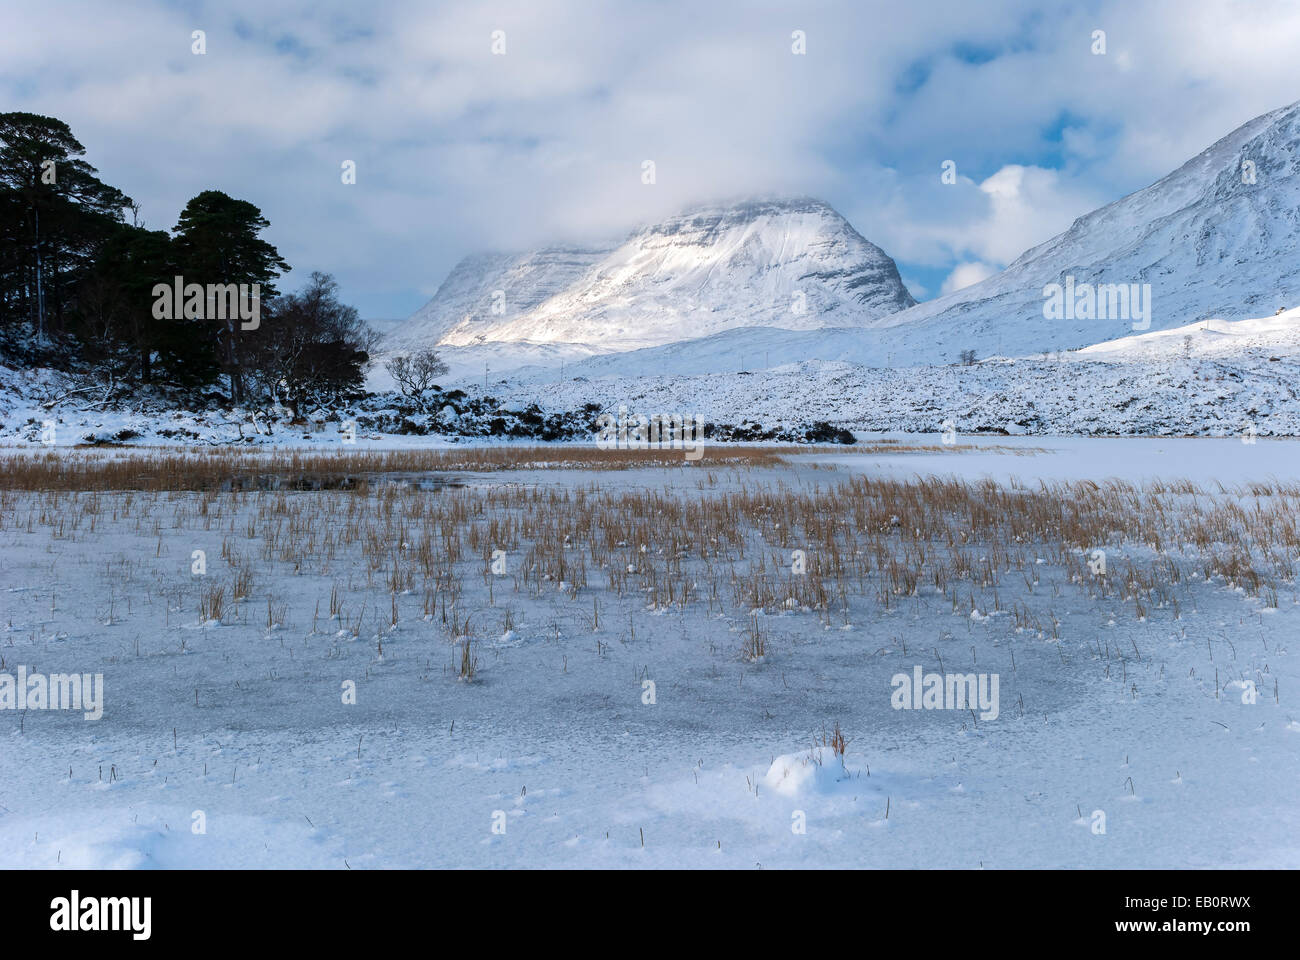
1121 693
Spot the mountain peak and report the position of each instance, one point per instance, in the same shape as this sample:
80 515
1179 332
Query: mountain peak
790 262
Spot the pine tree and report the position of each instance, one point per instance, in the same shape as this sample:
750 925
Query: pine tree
218 242
55 214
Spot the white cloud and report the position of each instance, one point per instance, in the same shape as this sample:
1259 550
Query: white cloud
964 275
1026 205
990 222
458 149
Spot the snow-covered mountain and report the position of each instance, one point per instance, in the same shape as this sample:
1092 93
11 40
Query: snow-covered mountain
719 288
467 305
1217 238
795 264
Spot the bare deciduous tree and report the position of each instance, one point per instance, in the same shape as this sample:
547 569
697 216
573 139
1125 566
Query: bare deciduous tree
415 373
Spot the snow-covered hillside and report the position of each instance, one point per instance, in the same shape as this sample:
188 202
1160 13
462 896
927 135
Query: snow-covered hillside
794 264
1263 337
465 306
1226 378
1221 379
757 349
1217 238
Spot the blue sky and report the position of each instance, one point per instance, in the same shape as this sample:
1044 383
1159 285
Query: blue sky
458 149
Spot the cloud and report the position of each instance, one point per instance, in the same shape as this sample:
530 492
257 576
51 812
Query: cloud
1026 206
458 149
990 222
966 274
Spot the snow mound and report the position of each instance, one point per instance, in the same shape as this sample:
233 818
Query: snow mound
817 771
147 836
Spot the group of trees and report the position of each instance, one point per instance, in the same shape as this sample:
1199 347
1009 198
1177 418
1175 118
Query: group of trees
80 285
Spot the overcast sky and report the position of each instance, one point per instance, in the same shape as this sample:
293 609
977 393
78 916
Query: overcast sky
458 149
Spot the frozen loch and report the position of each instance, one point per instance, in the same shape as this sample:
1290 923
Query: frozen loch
1012 652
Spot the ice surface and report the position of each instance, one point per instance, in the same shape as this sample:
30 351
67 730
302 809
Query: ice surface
554 740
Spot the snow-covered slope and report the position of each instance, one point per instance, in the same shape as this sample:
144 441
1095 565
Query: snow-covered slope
792 263
1210 242
1215 380
488 362
728 352
486 290
1267 337
1227 378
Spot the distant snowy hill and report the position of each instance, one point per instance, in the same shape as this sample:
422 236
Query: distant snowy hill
1218 237
695 314
721 288
794 264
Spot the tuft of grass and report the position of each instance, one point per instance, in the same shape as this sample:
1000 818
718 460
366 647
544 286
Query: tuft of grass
467 669
835 740
212 602
755 644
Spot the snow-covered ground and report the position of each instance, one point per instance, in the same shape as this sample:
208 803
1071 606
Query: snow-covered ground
557 754
1217 379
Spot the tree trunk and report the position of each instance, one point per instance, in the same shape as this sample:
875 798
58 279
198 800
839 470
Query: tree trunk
236 379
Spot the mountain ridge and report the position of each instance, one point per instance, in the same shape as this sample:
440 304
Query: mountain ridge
1205 204
1210 238
793 263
